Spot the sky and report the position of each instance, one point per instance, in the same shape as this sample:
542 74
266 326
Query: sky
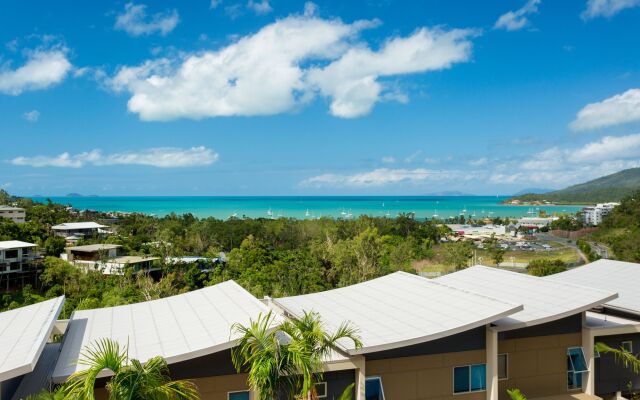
274 97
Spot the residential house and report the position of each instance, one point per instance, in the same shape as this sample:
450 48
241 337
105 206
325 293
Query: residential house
108 259
15 214
17 259
74 231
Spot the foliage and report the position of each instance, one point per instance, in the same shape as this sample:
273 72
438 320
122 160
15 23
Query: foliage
626 358
620 230
516 394
545 266
567 223
458 254
495 250
131 379
286 359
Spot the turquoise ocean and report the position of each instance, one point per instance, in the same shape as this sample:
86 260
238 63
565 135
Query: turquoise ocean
223 207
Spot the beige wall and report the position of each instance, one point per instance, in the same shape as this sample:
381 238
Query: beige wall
537 365
424 377
216 387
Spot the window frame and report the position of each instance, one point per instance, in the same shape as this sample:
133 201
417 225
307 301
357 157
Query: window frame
379 378
506 366
630 343
324 396
238 391
453 379
581 373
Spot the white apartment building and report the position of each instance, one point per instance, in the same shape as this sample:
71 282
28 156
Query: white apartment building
16 214
16 256
593 215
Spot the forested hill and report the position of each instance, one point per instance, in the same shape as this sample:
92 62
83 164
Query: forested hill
620 230
612 187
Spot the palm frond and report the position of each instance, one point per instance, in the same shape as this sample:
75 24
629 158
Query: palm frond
516 394
628 359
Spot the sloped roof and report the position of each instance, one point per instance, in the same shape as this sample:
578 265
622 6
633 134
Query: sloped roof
14 244
77 225
178 328
23 334
543 300
92 248
622 277
399 310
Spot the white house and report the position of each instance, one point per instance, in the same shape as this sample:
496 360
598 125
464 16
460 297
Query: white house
73 231
107 258
593 215
16 214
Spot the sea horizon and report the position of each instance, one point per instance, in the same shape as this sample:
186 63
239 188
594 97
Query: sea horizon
310 207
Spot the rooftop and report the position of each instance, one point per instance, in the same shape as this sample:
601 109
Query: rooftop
77 225
92 248
14 244
23 335
132 259
177 328
543 300
11 208
399 310
623 277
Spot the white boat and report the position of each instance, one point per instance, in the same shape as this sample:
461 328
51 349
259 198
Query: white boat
270 213
307 214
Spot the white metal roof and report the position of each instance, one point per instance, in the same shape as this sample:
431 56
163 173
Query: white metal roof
543 300
399 310
177 328
77 225
92 248
14 244
23 334
622 277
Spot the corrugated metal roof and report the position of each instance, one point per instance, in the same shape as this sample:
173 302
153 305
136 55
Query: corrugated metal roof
399 310
77 225
90 248
543 300
23 334
177 328
622 277
14 244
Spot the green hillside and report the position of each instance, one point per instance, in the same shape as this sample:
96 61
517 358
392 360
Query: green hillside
612 187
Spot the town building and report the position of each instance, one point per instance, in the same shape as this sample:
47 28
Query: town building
108 259
74 231
15 214
593 216
535 222
17 260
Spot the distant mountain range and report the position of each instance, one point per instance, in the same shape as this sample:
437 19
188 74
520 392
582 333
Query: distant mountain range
532 191
612 187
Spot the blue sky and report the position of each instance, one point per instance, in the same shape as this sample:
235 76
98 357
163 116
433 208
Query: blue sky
292 98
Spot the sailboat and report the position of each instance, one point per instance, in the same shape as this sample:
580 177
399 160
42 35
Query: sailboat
307 214
435 213
270 213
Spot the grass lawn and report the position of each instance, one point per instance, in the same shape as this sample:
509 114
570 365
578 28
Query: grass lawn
565 254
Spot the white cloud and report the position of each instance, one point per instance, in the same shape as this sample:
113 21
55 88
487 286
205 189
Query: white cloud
310 9
515 20
31 116
259 7
135 22
608 148
606 8
215 3
162 157
275 70
616 110
388 160
352 80
411 157
479 162
43 68
382 177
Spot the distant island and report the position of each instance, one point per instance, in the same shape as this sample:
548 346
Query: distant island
608 188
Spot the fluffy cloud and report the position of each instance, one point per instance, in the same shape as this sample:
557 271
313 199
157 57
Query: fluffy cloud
382 177
515 20
619 109
31 116
608 148
479 162
43 68
135 22
388 160
163 157
260 7
275 70
607 8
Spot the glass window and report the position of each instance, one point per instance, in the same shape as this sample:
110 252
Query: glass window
503 366
321 390
461 379
576 360
628 346
373 389
478 377
243 395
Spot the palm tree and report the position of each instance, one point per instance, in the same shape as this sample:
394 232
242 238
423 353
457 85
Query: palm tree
516 394
131 379
287 359
628 359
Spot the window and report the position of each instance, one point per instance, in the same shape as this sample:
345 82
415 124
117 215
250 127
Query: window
373 388
321 390
470 378
240 395
503 366
576 366
627 345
